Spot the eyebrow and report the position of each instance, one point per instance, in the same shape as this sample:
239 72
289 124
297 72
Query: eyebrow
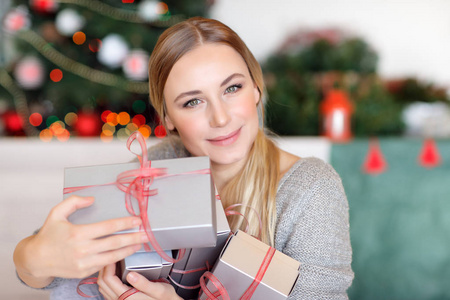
196 92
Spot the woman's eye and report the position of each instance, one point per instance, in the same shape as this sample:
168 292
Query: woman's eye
192 103
233 88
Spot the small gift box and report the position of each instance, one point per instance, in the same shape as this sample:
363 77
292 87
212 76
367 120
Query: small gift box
175 198
148 264
248 268
186 273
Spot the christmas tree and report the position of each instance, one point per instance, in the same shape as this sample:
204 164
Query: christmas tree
79 67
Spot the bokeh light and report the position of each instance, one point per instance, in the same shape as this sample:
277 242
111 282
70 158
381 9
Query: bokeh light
95 45
112 119
71 118
122 134
106 138
123 118
105 115
57 128
35 119
162 8
160 131
56 75
63 136
79 38
139 106
50 120
131 128
145 130
46 135
139 120
108 129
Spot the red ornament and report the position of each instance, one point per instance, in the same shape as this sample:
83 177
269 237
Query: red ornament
44 6
429 156
13 123
17 19
88 124
374 163
336 110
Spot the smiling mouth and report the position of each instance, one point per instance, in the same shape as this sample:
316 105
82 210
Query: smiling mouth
226 139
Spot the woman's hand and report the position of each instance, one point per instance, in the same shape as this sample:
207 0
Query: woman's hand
112 287
62 249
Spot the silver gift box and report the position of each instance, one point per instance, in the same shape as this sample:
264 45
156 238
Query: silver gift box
239 263
197 258
148 264
182 214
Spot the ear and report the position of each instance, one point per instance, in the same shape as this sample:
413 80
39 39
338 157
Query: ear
169 123
256 93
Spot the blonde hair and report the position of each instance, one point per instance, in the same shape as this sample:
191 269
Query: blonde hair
256 184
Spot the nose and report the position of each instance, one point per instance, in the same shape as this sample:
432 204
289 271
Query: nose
220 115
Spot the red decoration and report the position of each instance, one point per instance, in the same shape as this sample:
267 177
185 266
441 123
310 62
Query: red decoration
88 124
160 131
17 19
127 1
13 123
336 110
429 156
44 6
374 163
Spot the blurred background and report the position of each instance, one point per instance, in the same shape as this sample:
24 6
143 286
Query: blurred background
363 85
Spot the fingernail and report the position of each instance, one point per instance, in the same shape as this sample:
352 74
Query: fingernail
131 277
136 222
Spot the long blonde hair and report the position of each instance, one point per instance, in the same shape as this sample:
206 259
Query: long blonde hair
256 184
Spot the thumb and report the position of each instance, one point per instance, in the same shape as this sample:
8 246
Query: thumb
68 206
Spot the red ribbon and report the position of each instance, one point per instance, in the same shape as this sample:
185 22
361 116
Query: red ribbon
136 183
221 290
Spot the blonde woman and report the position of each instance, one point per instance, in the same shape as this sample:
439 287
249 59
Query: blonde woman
207 89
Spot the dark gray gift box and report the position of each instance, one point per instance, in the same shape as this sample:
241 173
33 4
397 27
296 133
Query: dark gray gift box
148 264
196 258
181 215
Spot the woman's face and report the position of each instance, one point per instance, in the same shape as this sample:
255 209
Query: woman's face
211 101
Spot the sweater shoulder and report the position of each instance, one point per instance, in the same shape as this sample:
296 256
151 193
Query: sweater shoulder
170 147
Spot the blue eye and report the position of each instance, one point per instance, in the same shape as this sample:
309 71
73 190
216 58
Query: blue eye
192 103
233 88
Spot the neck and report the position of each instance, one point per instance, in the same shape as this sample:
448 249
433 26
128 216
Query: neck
223 173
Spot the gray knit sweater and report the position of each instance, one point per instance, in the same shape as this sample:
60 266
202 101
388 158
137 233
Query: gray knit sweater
312 227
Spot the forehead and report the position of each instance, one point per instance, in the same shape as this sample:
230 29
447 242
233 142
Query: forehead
207 62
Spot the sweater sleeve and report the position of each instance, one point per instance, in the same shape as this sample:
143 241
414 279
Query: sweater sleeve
313 228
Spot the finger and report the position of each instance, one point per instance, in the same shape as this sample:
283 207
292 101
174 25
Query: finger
156 290
113 282
109 227
113 288
67 207
118 241
113 256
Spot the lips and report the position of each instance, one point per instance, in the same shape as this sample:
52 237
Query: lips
226 139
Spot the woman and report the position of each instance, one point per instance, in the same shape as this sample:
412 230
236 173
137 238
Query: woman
207 88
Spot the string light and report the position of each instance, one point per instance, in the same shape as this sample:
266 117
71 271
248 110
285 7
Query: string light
71 118
145 130
139 120
160 131
79 69
20 101
56 75
112 119
35 119
122 14
46 135
123 118
79 38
